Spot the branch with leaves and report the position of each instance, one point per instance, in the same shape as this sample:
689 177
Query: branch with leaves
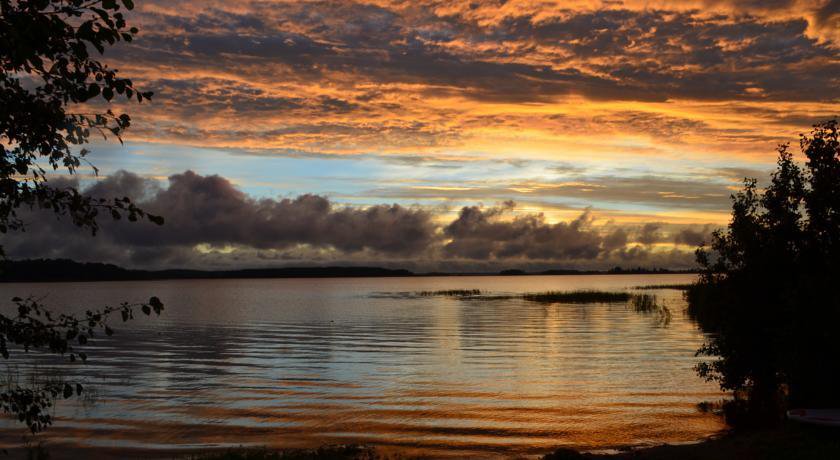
37 328
50 85
48 77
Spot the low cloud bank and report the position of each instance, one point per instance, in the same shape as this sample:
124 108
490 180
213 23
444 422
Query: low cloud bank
210 223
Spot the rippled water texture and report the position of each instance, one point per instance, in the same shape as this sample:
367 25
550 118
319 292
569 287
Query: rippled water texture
300 363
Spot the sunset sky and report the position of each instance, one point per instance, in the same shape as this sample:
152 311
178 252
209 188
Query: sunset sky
456 135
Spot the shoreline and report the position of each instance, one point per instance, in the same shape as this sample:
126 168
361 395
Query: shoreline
60 270
790 441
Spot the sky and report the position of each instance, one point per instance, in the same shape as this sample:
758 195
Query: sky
450 135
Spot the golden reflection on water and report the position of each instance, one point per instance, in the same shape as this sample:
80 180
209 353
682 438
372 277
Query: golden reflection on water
300 363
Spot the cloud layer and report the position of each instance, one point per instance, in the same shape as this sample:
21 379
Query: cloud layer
505 78
649 112
210 223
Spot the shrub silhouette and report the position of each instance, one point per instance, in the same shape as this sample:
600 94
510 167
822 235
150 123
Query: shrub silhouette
767 291
49 73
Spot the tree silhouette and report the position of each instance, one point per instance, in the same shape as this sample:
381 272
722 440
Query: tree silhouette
49 87
768 291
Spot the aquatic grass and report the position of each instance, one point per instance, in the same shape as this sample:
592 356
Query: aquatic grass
489 298
459 293
450 293
648 304
644 303
580 296
640 303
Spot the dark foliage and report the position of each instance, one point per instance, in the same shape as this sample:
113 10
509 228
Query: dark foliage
35 327
768 290
50 87
48 83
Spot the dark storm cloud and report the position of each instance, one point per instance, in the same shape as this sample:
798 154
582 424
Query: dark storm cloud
482 233
617 239
211 223
649 234
694 236
210 210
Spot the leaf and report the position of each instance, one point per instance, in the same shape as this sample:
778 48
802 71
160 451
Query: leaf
146 309
156 304
68 391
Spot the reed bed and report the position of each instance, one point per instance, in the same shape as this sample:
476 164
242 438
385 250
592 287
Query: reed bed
648 304
582 296
644 303
450 293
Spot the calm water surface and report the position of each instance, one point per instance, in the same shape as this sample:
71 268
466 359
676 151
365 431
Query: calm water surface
300 363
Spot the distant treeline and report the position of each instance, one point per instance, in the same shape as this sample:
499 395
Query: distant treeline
612 271
44 270
68 270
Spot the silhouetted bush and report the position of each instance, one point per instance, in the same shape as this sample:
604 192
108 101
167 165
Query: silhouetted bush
48 69
767 291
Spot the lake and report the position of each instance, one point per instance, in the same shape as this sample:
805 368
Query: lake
306 362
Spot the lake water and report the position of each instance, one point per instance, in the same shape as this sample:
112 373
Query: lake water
306 362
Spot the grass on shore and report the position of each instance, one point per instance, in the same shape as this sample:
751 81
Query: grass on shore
645 303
